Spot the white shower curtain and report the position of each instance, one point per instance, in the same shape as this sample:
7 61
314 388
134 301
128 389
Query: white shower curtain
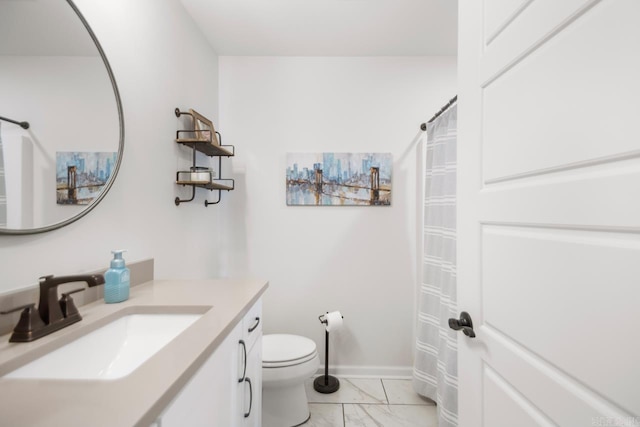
435 372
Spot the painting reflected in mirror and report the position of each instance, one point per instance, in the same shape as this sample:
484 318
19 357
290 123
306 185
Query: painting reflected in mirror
81 176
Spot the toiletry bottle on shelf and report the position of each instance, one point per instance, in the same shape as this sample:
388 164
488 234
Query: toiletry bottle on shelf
116 286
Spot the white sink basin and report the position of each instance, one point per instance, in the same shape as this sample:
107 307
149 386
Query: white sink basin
110 352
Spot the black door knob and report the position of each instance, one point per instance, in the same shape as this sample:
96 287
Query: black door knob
464 323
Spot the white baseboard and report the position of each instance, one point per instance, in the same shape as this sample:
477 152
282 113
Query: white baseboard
387 372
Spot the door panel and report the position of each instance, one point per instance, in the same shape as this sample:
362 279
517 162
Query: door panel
562 399
499 14
596 197
505 407
527 27
540 285
545 113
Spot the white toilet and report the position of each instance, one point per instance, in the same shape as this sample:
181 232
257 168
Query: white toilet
287 361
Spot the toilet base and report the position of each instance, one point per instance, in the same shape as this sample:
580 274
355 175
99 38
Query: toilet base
330 386
305 421
285 406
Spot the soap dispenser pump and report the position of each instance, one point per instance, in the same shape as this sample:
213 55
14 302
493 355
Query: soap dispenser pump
116 286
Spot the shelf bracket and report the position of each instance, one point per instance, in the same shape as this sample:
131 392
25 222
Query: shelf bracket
207 203
179 113
177 201
233 186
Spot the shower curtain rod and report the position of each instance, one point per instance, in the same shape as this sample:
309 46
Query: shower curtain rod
442 110
23 125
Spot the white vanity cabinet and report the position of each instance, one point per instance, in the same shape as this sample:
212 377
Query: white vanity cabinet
227 389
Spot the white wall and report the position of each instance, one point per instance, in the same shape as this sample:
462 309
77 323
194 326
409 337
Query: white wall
160 62
360 260
19 182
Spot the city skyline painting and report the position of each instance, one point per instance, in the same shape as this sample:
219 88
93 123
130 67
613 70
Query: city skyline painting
80 175
339 179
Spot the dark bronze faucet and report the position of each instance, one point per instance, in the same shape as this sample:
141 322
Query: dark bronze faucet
52 314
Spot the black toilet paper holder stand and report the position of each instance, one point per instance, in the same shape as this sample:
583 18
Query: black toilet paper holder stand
326 383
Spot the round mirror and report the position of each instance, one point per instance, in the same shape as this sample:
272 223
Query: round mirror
61 123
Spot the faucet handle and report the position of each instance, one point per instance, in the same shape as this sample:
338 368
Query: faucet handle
29 322
13 310
67 305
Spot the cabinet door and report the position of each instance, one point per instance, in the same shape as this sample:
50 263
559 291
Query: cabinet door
209 398
249 396
252 395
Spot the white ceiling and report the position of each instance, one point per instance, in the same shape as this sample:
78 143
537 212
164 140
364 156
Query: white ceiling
328 27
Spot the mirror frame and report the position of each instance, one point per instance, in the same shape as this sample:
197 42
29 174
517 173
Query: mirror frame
116 168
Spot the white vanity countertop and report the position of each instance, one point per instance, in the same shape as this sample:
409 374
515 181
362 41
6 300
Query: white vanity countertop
139 398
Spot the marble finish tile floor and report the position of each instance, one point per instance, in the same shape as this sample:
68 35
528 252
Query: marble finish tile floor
370 402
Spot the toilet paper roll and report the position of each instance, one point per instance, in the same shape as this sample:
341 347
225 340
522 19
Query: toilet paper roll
334 320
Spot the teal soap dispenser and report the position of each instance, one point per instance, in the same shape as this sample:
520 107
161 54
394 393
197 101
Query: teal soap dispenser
116 280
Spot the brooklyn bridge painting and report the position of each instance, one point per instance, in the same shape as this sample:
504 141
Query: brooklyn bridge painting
339 179
80 176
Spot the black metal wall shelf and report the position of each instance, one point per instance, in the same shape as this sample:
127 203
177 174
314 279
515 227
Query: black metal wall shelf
205 139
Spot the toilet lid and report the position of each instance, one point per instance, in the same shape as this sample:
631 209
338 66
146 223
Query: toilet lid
286 348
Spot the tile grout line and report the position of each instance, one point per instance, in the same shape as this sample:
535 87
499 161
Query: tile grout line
385 392
370 403
344 420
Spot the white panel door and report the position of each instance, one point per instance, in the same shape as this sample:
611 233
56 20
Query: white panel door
549 212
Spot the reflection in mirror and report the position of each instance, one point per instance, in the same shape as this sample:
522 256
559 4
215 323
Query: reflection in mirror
54 75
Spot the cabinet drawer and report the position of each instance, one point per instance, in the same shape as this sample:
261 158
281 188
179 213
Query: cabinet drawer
252 324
